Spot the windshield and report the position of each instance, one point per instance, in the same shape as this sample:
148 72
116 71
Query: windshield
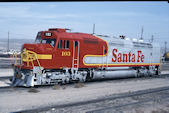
49 41
38 38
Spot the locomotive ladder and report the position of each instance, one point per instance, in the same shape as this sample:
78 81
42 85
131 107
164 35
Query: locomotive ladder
75 60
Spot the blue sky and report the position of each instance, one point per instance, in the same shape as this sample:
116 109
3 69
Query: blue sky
25 19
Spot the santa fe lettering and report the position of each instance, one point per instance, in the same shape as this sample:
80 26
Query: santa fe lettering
124 57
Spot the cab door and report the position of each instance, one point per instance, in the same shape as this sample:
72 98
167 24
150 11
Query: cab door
63 54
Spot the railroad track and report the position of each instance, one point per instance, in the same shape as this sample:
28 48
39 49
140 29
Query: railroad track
109 104
5 77
115 107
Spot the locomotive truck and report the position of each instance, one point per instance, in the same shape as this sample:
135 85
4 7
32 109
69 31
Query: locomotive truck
59 56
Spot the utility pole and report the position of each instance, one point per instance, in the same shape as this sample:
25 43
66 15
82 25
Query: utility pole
93 28
152 38
141 34
8 43
165 46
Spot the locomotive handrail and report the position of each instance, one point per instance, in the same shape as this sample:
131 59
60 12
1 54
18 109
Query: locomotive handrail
14 57
30 56
21 58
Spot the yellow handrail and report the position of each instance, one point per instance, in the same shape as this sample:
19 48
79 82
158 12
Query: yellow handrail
30 57
21 58
27 56
14 58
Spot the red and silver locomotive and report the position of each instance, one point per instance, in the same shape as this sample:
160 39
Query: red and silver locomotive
58 56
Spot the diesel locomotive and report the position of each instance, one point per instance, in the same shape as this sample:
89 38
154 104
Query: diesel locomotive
59 56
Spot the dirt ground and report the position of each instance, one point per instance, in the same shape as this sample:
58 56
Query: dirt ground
16 100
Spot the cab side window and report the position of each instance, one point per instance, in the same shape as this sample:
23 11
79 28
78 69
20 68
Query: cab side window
63 44
66 44
60 44
49 41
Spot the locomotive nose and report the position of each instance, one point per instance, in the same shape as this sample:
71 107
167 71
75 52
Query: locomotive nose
35 52
31 47
28 53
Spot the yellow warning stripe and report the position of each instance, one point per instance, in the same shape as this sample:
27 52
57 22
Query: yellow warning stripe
124 64
42 56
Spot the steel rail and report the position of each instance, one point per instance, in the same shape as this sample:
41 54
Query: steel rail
120 96
102 110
